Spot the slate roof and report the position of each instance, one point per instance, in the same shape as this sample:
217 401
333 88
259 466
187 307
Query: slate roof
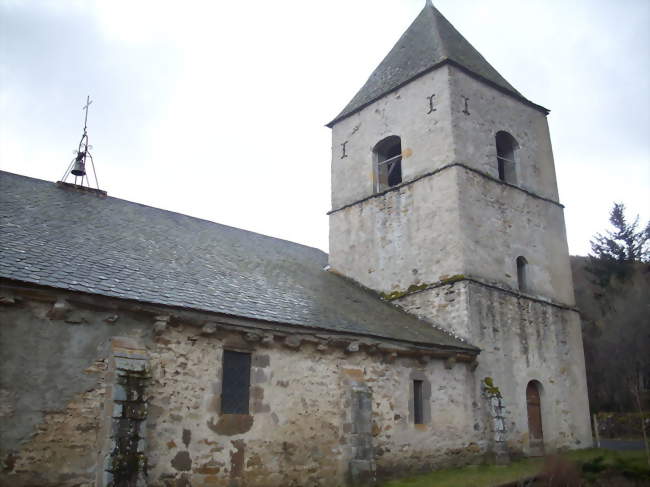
63 238
429 41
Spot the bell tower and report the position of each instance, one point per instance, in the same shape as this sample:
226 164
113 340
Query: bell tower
445 201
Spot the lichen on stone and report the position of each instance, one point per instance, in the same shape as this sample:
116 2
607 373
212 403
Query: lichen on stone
419 287
452 279
489 387
400 293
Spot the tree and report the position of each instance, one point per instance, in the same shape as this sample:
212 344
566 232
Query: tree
616 321
624 244
615 252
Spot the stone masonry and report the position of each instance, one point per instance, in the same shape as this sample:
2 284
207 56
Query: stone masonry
324 411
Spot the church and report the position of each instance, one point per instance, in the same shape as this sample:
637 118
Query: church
145 347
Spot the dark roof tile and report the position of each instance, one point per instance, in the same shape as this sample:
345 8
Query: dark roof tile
117 248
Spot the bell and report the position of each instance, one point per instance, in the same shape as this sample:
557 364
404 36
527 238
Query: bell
79 168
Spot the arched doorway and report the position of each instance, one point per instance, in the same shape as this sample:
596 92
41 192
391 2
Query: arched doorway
535 432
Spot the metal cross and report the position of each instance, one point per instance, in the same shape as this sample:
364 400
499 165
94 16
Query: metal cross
85 107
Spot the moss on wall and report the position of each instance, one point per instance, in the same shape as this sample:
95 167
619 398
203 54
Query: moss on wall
420 287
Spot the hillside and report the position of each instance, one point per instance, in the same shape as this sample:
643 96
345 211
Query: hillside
615 330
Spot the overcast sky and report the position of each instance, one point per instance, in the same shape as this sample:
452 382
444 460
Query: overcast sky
217 109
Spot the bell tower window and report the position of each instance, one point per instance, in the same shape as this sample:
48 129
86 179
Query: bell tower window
387 156
506 148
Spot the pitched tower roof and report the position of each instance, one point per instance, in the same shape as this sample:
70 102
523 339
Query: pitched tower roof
429 42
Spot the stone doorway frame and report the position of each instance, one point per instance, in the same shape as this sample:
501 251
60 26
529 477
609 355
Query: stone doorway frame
534 414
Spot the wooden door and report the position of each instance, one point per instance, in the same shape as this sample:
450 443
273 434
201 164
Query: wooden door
534 417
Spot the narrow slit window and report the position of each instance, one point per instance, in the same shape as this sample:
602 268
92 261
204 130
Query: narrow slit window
235 385
506 149
388 163
522 264
418 402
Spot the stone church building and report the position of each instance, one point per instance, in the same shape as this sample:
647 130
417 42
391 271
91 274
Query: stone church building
145 347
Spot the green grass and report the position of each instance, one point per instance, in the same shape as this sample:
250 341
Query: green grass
473 475
634 458
492 475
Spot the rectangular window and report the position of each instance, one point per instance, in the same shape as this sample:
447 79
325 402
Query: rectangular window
235 386
418 405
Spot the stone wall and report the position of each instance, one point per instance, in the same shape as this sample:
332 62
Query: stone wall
522 339
303 428
407 237
52 390
453 223
500 223
490 111
426 135
446 304
291 436
324 410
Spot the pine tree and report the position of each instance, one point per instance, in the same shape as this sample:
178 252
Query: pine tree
625 243
613 252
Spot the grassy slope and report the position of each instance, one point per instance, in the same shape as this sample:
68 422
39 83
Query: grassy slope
492 475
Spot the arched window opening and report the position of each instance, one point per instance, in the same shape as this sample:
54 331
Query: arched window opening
506 148
388 163
522 263
534 405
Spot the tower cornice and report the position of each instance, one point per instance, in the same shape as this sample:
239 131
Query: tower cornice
437 171
397 296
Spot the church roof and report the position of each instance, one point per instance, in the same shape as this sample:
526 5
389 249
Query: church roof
68 239
428 43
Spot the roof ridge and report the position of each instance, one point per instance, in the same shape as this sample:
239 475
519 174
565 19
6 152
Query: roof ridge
436 32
